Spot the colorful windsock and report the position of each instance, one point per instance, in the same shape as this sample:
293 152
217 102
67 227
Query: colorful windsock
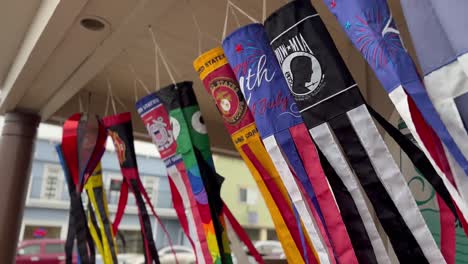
370 27
83 144
312 66
277 117
120 130
220 82
207 202
157 122
342 127
99 222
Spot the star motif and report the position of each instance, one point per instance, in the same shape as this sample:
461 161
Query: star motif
347 25
333 4
239 48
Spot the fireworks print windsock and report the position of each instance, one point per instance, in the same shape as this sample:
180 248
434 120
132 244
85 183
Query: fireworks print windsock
370 26
157 122
342 127
276 115
442 55
120 130
220 82
208 205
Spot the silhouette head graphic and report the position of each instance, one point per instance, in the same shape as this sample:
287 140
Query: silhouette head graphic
301 69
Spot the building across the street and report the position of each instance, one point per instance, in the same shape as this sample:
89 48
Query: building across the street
47 203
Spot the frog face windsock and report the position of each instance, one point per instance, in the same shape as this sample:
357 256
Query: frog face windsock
276 115
442 55
220 82
157 122
201 145
207 202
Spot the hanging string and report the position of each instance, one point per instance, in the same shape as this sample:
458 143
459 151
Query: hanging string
174 69
230 4
156 68
135 90
111 94
139 80
80 104
120 102
163 58
264 10
197 27
243 12
212 37
89 101
106 109
236 18
226 20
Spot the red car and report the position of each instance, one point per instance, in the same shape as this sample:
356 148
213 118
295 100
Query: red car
42 251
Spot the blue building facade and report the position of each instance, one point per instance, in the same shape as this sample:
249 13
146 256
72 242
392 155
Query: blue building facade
47 201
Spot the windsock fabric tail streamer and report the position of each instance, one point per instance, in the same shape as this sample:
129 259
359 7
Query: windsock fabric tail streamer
289 31
98 213
267 94
332 106
238 233
77 227
442 57
201 145
91 140
120 130
79 161
220 82
211 223
157 122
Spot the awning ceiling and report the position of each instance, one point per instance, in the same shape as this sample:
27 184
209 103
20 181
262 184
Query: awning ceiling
68 63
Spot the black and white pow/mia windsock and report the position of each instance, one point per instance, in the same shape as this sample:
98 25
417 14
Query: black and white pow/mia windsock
339 122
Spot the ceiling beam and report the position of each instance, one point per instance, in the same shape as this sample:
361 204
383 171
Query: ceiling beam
135 24
47 30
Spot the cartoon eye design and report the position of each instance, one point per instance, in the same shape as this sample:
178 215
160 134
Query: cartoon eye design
198 124
175 127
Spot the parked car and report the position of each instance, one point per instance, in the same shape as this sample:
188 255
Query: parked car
271 249
185 255
42 251
268 249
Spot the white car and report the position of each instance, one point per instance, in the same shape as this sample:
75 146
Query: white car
269 248
185 255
